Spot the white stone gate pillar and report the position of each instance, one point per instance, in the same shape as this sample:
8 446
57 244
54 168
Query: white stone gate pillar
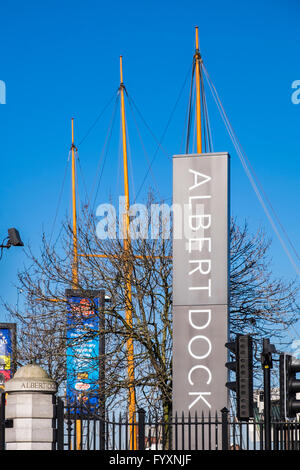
29 403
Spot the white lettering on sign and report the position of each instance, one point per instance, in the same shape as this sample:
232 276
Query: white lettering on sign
199 239
199 223
199 320
203 179
192 319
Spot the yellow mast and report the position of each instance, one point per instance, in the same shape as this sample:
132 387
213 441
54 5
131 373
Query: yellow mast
75 254
198 94
130 352
74 214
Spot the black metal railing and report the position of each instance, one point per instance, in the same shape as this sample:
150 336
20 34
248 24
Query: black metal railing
83 429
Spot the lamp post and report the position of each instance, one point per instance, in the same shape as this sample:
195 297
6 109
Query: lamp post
13 239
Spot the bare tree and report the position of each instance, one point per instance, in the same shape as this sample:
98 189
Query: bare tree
259 304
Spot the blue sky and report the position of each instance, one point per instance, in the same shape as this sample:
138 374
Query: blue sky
61 60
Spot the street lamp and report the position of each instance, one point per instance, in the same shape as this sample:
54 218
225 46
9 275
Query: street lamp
13 239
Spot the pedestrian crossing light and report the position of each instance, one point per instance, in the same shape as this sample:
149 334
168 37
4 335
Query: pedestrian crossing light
242 365
289 386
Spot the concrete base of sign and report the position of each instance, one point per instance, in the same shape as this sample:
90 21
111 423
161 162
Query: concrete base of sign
29 405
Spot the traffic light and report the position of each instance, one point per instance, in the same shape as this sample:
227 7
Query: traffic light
245 365
243 368
232 366
289 386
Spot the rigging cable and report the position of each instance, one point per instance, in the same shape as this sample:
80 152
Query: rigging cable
82 177
60 197
207 128
104 152
159 141
96 120
143 147
202 107
118 184
190 110
66 167
130 167
243 158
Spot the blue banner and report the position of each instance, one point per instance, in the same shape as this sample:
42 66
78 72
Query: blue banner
5 356
83 352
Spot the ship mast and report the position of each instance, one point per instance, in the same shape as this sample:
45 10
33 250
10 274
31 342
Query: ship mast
75 251
74 214
197 58
128 295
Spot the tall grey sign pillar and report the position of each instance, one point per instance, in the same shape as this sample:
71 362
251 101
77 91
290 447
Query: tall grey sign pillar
200 282
29 404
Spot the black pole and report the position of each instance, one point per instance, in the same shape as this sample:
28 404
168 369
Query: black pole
267 407
225 437
267 364
102 396
2 421
59 404
141 429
